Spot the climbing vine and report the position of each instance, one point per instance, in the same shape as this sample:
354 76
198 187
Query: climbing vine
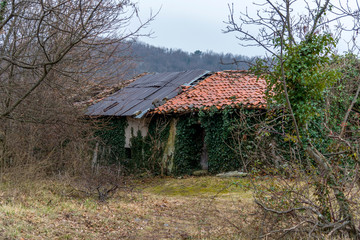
228 135
112 139
146 151
137 151
304 69
217 126
188 145
340 95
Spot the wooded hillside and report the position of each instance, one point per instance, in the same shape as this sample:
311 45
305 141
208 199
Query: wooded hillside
148 58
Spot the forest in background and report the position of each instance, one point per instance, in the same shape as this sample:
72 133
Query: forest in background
147 58
304 181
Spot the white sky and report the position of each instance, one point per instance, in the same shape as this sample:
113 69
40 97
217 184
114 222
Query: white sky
193 25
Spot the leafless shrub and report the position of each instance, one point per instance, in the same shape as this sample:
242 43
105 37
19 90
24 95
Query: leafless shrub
101 184
50 52
314 163
296 198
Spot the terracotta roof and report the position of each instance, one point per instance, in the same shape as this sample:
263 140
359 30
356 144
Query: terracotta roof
221 89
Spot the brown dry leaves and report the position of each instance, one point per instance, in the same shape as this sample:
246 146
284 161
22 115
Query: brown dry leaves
45 210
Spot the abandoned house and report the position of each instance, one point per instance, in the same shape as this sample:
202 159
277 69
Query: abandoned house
175 123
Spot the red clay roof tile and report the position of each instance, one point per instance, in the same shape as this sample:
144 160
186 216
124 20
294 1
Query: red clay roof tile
221 89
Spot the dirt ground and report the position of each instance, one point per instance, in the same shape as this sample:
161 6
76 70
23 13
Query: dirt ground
152 208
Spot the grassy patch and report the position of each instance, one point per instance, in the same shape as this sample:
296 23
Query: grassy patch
159 208
199 186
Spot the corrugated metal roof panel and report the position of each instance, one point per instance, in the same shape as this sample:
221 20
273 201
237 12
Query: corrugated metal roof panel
164 96
155 80
135 93
160 93
122 107
193 75
135 110
138 97
124 94
98 109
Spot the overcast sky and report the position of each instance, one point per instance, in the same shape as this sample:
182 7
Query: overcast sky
192 25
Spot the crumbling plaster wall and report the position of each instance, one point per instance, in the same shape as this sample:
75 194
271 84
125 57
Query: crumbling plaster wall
136 124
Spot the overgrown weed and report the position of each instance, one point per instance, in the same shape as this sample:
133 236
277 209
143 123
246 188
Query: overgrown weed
51 208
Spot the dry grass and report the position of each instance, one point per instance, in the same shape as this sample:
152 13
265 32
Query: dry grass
190 208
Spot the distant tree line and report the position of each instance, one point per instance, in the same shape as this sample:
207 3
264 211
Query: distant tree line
148 58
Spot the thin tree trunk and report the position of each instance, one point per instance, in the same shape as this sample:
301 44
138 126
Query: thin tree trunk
344 207
343 124
95 156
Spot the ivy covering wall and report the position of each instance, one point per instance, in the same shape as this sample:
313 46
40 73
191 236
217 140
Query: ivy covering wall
220 145
138 158
147 151
218 130
228 134
112 141
188 145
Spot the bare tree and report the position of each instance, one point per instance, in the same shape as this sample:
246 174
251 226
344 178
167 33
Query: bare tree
39 37
49 49
299 44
